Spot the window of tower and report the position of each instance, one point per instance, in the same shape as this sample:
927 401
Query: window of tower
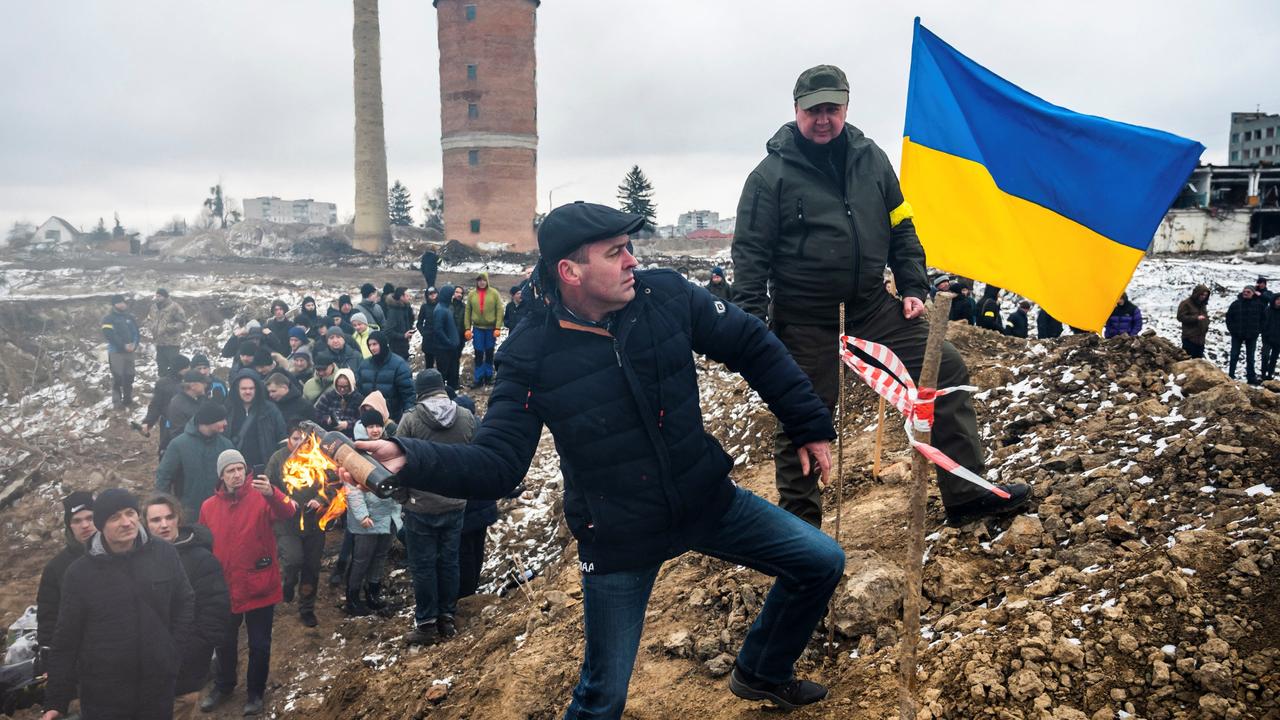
475 226
471 72
473 157
471 13
473 111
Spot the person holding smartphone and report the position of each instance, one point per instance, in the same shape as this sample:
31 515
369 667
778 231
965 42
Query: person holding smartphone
239 515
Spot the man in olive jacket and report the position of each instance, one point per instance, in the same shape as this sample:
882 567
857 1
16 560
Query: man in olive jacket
819 219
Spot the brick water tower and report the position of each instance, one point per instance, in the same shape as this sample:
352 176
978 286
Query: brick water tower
489 120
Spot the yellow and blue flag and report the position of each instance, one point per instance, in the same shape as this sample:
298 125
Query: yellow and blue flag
1011 190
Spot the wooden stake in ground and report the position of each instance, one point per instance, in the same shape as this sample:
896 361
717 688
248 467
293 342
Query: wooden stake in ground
839 479
875 465
913 563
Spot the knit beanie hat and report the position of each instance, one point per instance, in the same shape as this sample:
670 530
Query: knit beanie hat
427 382
248 348
718 271
366 289
227 458
370 417
74 503
359 318
200 360
298 332
110 502
465 401
324 358
195 376
263 358
344 300
210 412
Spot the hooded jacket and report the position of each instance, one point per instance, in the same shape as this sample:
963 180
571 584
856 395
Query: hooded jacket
372 312
278 337
343 319
399 321
120 329
389 374
446 334
1125 319
333 407
989 310
49 594
257 430
644 481
1189 311
439 419
806 243
310 318
123 623
189 467
1245 317
486 315
244 543
212 605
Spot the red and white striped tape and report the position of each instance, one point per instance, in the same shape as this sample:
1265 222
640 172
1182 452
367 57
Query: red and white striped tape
894 384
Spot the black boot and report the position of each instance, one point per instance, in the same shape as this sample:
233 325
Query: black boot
990 504
354 607
373 596
788 695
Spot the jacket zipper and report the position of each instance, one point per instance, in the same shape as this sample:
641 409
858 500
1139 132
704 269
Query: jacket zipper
804 227
857 248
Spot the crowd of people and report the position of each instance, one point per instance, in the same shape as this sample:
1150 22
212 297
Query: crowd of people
224 538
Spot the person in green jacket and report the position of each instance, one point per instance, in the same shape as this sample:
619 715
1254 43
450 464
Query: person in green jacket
322 380
484 318
188 468
818 221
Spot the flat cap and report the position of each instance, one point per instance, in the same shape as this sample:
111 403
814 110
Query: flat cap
571 226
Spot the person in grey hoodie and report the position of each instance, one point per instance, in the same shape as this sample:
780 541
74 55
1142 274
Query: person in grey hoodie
433 523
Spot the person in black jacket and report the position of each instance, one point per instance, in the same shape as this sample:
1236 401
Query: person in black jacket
1018 321
163 515
609 368
428 264
77 519
1271 338
516 310
184 404
1047 326
278 327
255 425
166 387
424 325
1245 317
989 309
120 328
288 399
125 615
399 326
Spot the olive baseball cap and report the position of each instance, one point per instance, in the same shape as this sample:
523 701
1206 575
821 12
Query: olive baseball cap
821 84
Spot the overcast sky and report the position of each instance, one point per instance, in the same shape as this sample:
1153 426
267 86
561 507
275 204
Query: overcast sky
140 106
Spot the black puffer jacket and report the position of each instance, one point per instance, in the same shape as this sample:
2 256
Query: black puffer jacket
812 243
643 479
49 595
1271 324
212 605
121 629
1245 317
256 432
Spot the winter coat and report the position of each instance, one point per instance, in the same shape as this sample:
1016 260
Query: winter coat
1018 323
1124 320
278 338
168 324
1189 311
1245 317
245 544
478 515
796 224
513 314
446 334
644 481
306 521
361 505
964 308
423 324
120 329
989 315
428 264
315 387
49 594
439 419
332 407
257 431
312 321
486 315
390 374
361 340
459 310
293 406
1047 326
372 312
1271 325
399 321
166 387
349 357
189 467
212 605
122 626
181 409
722 290
343 320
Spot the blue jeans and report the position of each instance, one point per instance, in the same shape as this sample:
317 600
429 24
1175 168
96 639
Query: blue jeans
753 532
483 342
432 543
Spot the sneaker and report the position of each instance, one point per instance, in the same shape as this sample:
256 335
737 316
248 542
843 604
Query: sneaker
788 695
446 627
990 505
308 618
253 706
421 635
216 697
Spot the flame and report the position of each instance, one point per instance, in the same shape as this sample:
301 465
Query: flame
309 467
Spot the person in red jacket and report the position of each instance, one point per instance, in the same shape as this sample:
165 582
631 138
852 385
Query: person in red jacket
239 515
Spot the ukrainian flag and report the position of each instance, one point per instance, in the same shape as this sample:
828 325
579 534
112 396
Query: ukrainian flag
1010 190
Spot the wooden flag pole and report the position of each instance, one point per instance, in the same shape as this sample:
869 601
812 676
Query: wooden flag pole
913 563
875 466
839 479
